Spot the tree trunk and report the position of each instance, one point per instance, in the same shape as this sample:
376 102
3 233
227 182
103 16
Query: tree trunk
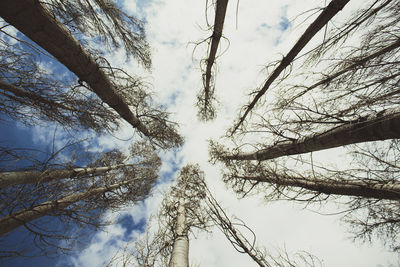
385 125
11 222
220 12
42 27
180 250
326 15
28 177
360 188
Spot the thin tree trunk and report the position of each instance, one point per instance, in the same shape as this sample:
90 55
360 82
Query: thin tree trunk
326 15
220 12
42 27
360 188
180 250
28 177
385 125
11 222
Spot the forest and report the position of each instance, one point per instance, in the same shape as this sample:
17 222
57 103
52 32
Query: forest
199 133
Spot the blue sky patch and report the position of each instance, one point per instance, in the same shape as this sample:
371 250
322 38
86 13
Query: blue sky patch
284 24
175 163
130 225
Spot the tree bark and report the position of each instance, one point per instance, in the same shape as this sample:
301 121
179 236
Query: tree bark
37 23
180 250
385 125
360 188
13 221
28 177
326 15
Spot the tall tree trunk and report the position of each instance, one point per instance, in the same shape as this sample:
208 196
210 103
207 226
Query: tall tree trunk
37 23
326 15
385 125
359 188
220 12
27 177
180 250
11 222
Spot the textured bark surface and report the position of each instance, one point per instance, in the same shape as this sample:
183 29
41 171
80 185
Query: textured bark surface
361 188
37 23
25 177
180 250
326 15
11 222
385 125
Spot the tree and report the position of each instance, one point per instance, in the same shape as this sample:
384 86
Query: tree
206 95
342 93
382 126
38 23
25 177
22 217
369 187
74 199
326 15
350 102
30 94
191 205
182 212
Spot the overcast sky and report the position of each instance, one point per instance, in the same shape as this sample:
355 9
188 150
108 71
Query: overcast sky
265 30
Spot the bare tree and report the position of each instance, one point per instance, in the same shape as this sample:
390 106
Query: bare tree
182 212
370 184
344 95
30 94
326 15
105 20
22 217
74 199
352 101
356 81
382 126
38 23
23 177
170 241
206 96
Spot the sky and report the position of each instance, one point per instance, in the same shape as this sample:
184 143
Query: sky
258 33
